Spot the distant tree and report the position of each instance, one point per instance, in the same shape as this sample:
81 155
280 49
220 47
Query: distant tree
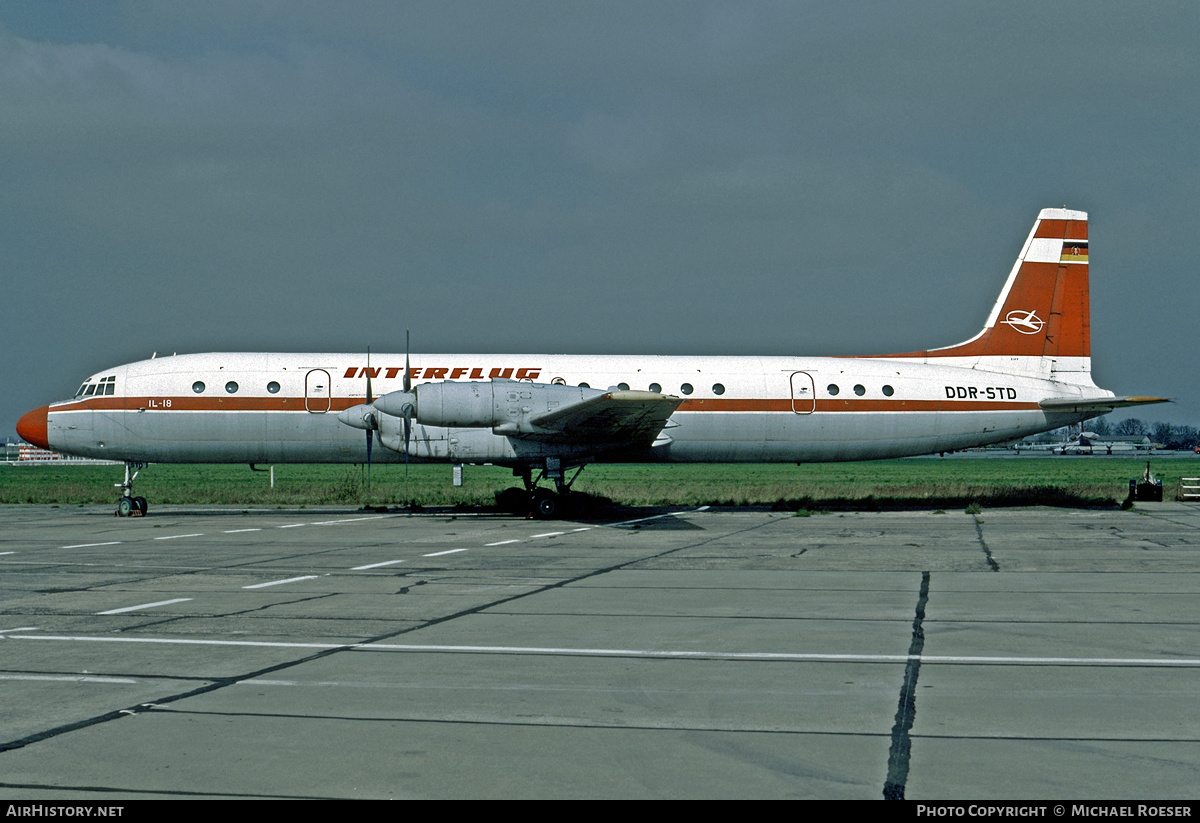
1176 437
1167 435
1163 434
1130 427
1188 437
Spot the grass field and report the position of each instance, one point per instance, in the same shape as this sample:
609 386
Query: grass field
926 482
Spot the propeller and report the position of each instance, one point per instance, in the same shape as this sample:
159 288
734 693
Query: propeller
366 416
408 410
372 425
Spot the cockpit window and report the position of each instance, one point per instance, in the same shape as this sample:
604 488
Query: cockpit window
102 386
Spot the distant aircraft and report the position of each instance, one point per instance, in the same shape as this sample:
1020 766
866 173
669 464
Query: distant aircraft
1088 443
1027 371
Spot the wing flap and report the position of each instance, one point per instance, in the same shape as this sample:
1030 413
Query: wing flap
628 417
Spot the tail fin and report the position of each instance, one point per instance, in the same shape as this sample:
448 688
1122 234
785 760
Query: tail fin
1040 324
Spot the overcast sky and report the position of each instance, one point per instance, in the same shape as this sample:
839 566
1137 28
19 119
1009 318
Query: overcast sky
809 178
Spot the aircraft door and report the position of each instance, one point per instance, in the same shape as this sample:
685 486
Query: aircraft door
317 391
804 395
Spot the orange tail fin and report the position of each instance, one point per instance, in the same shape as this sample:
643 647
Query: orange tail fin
1041 320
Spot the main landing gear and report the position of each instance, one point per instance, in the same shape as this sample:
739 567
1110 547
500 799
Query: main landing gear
541 503
128 505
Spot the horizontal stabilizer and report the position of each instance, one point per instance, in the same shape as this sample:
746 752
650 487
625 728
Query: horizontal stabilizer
1099 405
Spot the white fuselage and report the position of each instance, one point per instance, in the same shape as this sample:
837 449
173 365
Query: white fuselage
280 408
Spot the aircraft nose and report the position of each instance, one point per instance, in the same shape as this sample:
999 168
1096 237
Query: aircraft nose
32 427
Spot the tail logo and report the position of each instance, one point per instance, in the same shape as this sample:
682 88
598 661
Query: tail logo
1026 322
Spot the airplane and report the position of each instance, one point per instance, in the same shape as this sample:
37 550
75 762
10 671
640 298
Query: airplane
1085 442
1028 370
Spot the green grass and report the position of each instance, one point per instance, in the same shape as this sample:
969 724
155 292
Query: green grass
932 482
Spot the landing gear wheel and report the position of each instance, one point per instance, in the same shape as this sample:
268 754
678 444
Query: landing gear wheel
545 504
128 505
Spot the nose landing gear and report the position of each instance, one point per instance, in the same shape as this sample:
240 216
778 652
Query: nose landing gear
128 505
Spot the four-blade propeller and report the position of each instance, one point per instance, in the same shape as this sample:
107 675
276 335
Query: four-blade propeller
366 415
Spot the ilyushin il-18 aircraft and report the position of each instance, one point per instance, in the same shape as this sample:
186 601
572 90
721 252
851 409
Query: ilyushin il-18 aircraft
1027 371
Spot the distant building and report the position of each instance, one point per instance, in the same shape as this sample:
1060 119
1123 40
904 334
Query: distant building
25 454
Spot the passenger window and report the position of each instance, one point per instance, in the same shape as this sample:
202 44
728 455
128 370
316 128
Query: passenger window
718 388
273 387
833 389
231 387
888 391
686 388
860 389
654 387
584 386
623 386
198 387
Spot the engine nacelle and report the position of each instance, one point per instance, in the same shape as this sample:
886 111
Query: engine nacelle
502 405
470 445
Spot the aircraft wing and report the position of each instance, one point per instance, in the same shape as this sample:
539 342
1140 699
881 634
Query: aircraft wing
1099 405
627 417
